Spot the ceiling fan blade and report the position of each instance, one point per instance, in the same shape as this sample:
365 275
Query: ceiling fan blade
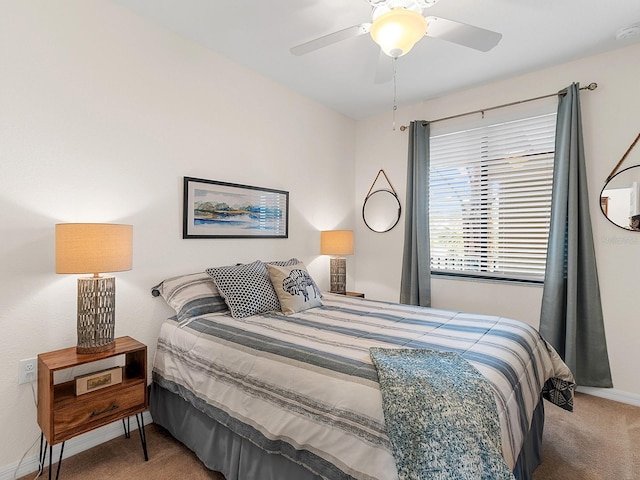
462 34
330 39
384 69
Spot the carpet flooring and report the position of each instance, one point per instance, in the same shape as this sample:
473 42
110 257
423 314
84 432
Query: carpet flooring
599 440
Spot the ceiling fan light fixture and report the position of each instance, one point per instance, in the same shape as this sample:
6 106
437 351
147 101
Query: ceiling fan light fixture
398 30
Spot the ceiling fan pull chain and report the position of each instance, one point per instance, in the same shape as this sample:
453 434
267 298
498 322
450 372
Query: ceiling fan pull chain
395 96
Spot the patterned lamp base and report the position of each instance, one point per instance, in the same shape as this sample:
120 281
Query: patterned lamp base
96 314
338 275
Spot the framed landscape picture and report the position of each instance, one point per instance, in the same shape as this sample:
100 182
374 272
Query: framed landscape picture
227 210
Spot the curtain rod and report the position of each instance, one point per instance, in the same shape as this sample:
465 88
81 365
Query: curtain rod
591 86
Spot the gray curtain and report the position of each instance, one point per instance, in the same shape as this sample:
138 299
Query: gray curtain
415 284
571 317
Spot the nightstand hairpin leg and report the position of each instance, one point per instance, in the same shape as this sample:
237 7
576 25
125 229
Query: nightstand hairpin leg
43 456
127 427
143 435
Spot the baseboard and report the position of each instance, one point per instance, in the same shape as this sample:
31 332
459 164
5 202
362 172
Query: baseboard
78 444
612 394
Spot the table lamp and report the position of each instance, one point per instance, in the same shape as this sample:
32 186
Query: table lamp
94 248
337 243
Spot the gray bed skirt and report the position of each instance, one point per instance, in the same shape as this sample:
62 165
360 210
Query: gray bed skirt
221 450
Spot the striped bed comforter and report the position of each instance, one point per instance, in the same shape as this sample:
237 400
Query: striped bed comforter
304 385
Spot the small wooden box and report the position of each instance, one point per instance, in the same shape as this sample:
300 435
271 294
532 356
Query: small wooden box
97 380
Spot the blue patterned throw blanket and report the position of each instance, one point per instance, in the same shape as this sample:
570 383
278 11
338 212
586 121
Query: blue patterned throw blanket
440 415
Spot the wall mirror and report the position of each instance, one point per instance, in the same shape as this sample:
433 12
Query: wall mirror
620 199
381 210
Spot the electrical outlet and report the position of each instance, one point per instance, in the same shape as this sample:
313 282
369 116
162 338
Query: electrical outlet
27 370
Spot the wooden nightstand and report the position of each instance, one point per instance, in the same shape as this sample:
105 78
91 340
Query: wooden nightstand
351 294
354 294
62 414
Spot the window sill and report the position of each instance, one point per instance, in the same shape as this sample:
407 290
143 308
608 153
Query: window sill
478 278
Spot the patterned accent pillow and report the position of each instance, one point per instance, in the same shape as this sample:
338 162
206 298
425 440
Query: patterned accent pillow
295 288
284 263
246 288
191 295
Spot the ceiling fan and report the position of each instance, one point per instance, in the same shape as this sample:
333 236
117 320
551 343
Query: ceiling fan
397 25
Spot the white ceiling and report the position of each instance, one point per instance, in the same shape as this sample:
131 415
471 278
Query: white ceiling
258 35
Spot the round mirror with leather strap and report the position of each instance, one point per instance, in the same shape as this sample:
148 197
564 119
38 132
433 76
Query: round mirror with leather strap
381 209
620 196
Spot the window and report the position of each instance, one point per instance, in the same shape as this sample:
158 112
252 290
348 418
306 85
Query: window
490 199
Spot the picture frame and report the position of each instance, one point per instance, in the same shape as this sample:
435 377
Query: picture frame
214 209
98 380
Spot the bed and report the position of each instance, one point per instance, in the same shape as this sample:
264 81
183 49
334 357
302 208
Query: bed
296 396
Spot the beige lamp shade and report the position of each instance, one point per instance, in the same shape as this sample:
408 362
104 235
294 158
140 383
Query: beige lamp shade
398 30
336 242
93 247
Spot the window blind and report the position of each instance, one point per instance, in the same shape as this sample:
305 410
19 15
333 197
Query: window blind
490 199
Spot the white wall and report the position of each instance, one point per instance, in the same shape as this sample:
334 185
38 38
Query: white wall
611 119
101 115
